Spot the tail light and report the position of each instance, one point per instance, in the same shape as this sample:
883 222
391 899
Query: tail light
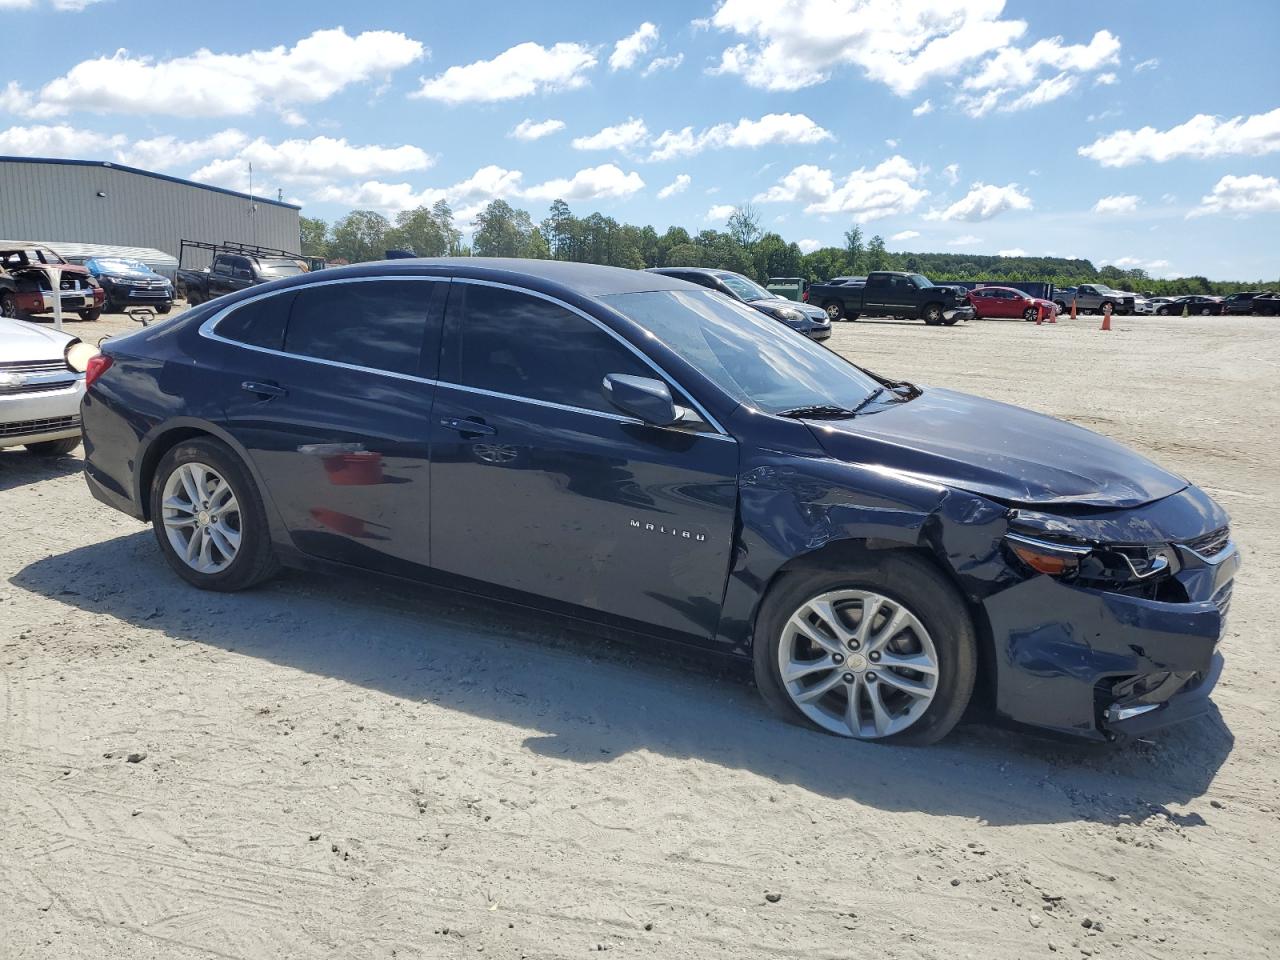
805 296
98 365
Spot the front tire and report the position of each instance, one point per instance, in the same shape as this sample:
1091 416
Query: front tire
89 316
871 649
8 307
209 518
932 314
53 448
835 310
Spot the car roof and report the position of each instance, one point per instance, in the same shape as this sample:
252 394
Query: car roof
705 271
548 276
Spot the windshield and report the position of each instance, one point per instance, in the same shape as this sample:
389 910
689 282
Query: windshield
921 280
750 356
119 264
280 268
744 288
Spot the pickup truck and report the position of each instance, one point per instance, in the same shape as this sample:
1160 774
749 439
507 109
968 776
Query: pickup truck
234 267
890 294
1092 297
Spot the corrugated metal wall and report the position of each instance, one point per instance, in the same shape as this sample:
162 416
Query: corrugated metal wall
49 202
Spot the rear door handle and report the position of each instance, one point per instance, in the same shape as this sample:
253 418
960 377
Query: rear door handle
264 389
468 428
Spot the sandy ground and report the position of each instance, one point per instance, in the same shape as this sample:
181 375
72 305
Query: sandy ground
330 768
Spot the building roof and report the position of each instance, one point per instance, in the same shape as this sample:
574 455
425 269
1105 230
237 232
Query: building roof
148 173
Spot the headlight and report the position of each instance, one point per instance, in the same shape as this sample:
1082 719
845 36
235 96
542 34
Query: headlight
1100 564
78 354
788 313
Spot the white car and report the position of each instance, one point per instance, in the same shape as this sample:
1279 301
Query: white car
1141 305
41 384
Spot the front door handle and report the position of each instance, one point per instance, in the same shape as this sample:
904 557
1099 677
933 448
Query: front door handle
264 389
468 428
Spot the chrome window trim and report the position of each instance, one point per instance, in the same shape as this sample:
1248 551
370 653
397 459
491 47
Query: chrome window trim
208 330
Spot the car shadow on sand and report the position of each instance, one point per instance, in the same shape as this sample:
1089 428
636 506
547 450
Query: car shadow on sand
593 698
18 468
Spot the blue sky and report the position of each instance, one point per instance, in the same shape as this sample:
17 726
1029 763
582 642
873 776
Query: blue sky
1139 133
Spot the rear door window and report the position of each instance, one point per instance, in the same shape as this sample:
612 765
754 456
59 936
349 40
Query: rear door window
391 325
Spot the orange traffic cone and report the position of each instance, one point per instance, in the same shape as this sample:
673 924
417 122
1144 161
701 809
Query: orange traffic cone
1039 314
1053 314
1106 316
1073 308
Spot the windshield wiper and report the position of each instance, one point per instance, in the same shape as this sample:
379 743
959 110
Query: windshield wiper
820 411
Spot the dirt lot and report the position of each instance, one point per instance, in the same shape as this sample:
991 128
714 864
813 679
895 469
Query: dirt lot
326 767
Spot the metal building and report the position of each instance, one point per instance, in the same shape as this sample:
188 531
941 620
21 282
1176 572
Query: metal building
90 201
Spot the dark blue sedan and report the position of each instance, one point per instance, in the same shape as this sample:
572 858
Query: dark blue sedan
633 449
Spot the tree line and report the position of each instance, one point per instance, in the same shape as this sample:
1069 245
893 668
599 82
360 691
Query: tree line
502 230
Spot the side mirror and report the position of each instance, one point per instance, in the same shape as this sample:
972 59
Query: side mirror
642 397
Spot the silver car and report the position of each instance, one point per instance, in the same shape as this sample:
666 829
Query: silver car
41 383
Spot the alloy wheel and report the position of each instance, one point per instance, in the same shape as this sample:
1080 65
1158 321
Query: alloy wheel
201 517
858 663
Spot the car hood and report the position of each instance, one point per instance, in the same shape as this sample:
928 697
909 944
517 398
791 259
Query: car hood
773 303
997 450
131 274
22 341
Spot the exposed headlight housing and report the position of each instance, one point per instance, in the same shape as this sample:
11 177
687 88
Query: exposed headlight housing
1097 564
78 354
788 313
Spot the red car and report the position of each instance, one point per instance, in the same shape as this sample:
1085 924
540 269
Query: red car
26 283
1006 302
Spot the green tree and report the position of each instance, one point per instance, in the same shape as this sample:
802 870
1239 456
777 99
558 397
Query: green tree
854 246
359 236
502 231
314 237
558 228
422 231
877 257
744 226
685 255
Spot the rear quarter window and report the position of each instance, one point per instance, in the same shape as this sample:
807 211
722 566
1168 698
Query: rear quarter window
259 323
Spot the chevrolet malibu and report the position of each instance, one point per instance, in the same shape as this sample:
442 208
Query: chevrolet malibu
631 449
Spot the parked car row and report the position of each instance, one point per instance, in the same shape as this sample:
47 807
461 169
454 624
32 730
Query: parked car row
889 293
101 284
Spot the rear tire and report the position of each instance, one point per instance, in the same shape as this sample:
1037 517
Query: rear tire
253 559
53 448
89 316
164 308
908 582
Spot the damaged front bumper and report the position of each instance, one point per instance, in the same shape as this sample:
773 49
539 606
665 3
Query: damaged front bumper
1104 665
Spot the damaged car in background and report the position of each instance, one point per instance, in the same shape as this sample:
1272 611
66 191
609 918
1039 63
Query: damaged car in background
654 457
30 268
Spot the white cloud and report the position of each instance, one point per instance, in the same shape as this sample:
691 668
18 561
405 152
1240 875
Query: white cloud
799 43
982 202
59 141
1128 263
1116 203
61 6
317 160
535 129
208 84
606 181
964 240
628 50
1105 80
1014 78
771 128
523 70
952 172
679 185
1202 137
1241 195
662 63
920 111
721 211
1149 64
1012 252
467 196
882 191
808 246
905 235
622 136
891 144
